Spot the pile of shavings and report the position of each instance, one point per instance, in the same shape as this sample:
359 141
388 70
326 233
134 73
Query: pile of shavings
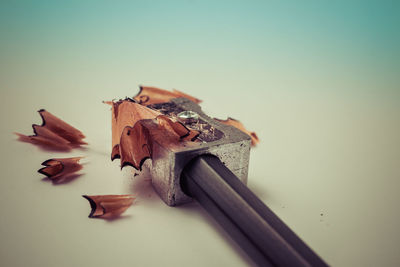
131 142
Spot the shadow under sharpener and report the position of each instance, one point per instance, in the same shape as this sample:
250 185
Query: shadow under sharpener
228 143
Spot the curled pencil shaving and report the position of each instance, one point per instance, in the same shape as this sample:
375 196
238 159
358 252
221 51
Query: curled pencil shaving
61 169
134 146
108 206
53 133
152 95
237 124
132 138
136 143
126 113
179 130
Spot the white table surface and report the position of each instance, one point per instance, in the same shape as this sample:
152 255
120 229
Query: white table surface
327 164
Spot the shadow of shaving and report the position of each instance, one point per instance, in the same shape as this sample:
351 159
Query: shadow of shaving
105 152
140 184
141 187
51 147
112 219
115 218
63 180
48 148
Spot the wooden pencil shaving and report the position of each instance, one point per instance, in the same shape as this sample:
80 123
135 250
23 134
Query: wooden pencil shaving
61 170
54 133
152 95
108 206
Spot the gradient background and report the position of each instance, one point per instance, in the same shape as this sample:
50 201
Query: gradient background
318 81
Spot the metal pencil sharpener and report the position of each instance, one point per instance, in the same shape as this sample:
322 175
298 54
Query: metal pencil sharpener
228 143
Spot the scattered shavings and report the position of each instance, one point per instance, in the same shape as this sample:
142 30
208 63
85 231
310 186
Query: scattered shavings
132 139
237 124
54 133
109 206
152 95
61 169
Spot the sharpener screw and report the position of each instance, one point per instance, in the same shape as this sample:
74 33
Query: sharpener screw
188 116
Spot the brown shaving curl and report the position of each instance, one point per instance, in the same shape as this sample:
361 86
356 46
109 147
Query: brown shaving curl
54 133
152 95
61 169
134 146
108 206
